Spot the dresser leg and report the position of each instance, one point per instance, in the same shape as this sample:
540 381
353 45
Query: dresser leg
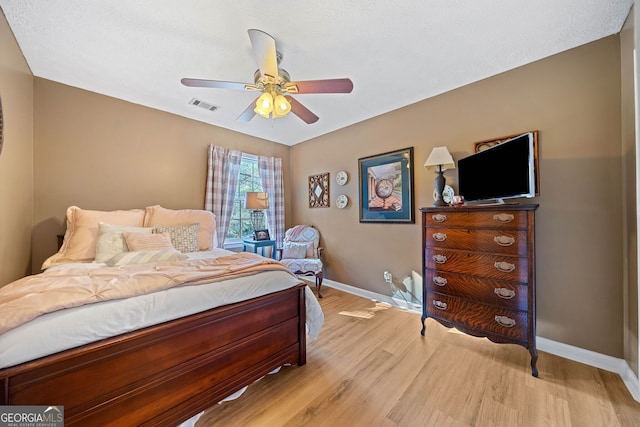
534 359
424 327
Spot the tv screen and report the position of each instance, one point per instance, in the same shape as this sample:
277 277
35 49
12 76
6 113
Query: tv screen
503 171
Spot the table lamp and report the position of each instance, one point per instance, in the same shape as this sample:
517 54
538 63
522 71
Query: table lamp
257 202
439 160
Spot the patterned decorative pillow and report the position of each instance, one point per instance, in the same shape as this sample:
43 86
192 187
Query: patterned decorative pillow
146 257
183 237
146 242
157 215
291 250
111 239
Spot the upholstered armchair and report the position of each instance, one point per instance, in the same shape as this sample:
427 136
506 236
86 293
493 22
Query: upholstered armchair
300 253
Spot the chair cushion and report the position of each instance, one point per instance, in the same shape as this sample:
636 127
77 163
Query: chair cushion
304 234
292 250
303 265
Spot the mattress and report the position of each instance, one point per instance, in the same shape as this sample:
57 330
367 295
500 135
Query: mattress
72 327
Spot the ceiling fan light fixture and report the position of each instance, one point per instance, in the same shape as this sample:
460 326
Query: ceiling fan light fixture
274 84
281 106
264 105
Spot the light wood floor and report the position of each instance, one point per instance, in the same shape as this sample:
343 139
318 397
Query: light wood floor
371 367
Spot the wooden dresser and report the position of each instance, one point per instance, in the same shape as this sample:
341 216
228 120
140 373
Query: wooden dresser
479 272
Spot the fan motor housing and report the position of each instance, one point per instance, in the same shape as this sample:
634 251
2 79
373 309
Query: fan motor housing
283 77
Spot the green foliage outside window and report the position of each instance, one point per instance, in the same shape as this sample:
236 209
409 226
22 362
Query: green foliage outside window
248 180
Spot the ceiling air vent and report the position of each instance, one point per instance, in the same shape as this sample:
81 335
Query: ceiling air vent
202 104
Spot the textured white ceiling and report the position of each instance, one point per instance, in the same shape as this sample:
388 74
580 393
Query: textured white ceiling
396 52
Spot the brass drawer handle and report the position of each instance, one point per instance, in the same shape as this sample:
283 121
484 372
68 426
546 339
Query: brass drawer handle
505 321
439 259
439 281
504 293
504 240
503 218
439 217
439 237
505 267
440 305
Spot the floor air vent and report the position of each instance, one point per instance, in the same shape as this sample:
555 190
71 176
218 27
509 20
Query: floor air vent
202 104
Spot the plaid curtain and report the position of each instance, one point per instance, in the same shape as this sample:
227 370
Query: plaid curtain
222 179
270 170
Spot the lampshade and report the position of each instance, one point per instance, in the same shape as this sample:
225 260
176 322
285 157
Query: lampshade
439 157
281 106
264 105
256 201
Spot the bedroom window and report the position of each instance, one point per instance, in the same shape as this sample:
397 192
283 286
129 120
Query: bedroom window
248 180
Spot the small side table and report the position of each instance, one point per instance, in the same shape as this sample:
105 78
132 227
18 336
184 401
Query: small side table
260 244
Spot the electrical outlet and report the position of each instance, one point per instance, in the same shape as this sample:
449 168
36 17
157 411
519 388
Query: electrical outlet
387 277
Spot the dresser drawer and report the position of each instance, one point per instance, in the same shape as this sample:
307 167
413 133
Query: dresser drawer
491 219
484 240
499 267
511 295
479 317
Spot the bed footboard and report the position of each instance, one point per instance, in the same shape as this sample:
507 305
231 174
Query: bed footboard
165 374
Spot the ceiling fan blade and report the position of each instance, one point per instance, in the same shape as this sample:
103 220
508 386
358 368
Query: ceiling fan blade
301 111
264 50
321 86
217 84
248 114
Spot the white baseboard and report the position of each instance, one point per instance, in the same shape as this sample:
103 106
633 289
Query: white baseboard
588 357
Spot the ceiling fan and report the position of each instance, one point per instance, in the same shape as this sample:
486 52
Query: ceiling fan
275 84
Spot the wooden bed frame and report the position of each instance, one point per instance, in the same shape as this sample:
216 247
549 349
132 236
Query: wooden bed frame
166 374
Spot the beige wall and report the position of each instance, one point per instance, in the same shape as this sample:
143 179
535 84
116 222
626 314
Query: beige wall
16 159
573 99
101 153
628 41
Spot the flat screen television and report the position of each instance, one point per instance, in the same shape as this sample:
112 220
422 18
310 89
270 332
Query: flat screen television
504 171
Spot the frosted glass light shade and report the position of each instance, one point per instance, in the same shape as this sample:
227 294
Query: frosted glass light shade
264 105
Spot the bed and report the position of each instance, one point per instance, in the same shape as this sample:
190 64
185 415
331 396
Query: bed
152 358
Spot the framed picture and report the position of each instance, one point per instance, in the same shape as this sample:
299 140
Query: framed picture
483 145
386 187
319 191
261 235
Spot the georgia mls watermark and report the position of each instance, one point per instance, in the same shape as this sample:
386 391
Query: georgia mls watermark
31 416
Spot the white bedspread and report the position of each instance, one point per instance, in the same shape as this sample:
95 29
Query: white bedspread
68 328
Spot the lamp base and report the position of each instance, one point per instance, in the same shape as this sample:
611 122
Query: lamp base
257 219
440 183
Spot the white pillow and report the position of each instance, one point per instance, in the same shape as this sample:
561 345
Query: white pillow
111 239
291 250
146 257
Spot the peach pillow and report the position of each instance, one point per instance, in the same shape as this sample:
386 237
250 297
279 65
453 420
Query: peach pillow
157 215
147 241
80 239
